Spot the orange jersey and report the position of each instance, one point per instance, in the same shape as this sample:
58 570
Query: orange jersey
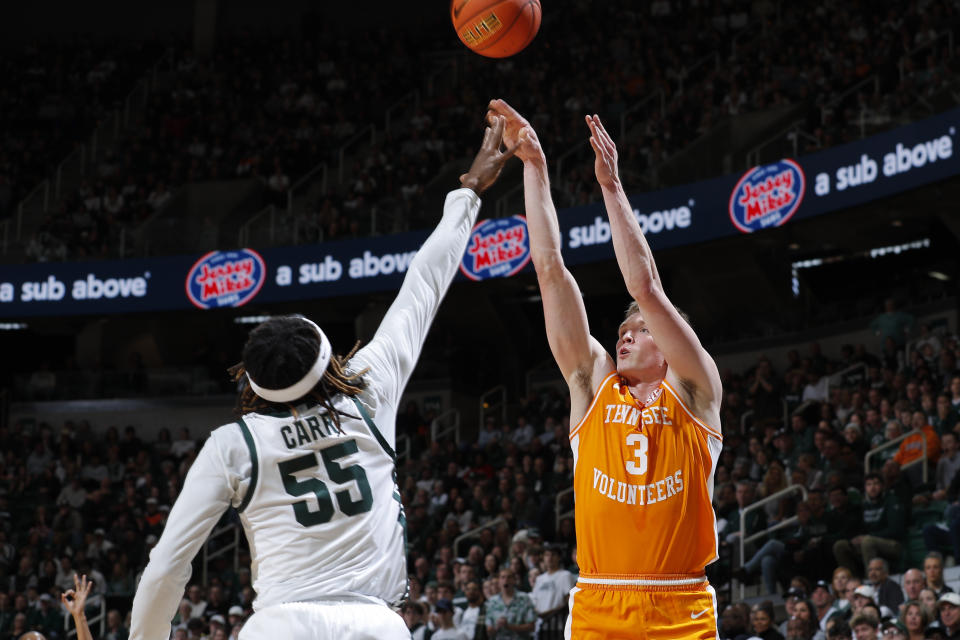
911 449
643 481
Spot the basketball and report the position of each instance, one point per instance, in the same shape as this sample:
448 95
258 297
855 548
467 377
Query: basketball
496 28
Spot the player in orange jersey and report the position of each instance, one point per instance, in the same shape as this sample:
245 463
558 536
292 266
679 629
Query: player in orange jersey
645 426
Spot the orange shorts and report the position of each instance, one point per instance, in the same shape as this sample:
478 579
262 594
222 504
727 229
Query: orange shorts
642 611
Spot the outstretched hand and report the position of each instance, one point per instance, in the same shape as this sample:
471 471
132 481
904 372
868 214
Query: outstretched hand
605 163
74 599
517 131
489 160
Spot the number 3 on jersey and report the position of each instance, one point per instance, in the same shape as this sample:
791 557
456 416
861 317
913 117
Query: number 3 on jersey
316 486
634 468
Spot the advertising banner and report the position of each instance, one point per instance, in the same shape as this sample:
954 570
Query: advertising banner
763 197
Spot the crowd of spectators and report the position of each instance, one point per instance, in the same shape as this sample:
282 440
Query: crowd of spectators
276 108
76 500
261 108
52 97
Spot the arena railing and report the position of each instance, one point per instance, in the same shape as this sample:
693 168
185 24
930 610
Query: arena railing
583 145
221 549
686 72
72 169
791 132
552 626
411 98
749 413
100 618
445 423
659 96
558 504
366 131
795 132
308 185
307 179
505 201
493 401
901 65
266 216
895 442
786 522
473 533
838 377
743 420
874 80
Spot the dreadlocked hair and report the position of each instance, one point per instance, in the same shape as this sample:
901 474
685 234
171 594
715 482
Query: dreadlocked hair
277 354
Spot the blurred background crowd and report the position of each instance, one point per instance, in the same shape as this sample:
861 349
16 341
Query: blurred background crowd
77 499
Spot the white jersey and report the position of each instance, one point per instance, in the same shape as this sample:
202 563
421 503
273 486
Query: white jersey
324 517
319 507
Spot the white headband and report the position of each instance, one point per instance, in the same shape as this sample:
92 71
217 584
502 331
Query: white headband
307 382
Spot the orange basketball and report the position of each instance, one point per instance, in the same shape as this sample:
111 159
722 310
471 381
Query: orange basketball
496 28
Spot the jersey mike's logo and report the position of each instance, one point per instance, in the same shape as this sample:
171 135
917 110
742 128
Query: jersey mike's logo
767 196
497 248
225 278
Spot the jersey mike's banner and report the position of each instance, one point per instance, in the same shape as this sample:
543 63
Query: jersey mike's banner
497 248
779 193
225 279
767 196
760 198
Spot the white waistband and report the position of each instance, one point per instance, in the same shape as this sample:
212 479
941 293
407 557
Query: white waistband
642 583
337 600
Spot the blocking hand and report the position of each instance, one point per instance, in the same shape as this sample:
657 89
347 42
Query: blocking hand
517 131
490 159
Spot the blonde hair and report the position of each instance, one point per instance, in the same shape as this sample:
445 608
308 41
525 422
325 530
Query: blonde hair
633 308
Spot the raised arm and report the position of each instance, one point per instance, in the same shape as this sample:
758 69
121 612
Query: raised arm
74 601
582 360
691 368
395 347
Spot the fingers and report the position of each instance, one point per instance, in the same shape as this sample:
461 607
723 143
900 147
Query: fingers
496 131
600 140
487 134
505 109
500 106
596 147
599 125
604 136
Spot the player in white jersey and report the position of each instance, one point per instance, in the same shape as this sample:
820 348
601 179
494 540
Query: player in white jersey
310 464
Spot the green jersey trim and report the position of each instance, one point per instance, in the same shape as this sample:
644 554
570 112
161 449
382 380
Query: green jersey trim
254 462
375 431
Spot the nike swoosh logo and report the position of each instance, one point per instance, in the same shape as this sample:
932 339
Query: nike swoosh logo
694 616
458 9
